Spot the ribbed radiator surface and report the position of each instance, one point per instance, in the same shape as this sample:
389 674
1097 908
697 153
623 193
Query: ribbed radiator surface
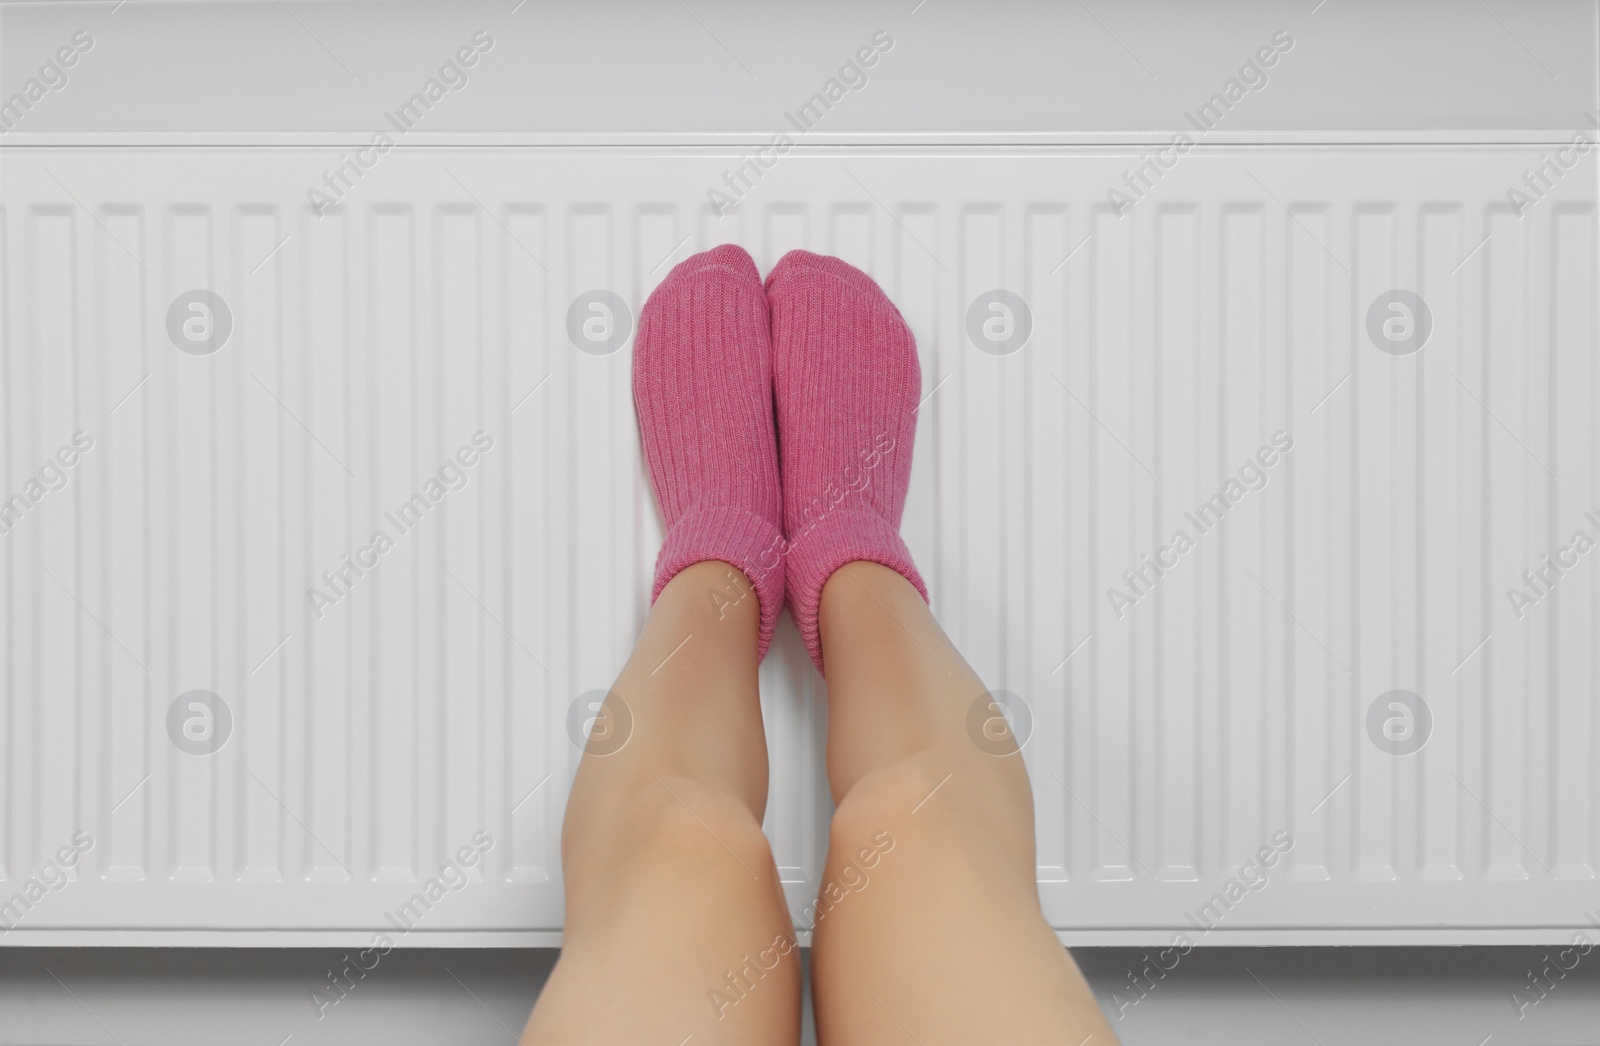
1268 495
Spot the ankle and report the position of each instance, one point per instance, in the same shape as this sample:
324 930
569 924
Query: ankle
712 591
871 619
863 582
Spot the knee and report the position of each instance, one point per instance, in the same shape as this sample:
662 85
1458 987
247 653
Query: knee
692 817
883 804
934 801
660 821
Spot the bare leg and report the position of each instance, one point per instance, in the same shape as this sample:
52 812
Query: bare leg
670 883
936 935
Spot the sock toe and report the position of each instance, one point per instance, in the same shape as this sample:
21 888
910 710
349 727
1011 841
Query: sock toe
727 260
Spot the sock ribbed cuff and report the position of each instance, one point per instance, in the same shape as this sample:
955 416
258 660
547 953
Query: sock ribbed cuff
843 536
731 535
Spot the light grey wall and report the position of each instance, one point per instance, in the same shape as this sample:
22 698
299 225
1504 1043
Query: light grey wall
998 66
1233 996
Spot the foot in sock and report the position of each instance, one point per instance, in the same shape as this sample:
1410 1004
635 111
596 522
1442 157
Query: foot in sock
846 380
702 384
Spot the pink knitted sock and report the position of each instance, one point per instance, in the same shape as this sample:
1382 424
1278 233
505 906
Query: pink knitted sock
702 383
846 377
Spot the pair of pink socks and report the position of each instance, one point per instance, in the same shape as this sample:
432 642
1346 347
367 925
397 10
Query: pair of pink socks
778 422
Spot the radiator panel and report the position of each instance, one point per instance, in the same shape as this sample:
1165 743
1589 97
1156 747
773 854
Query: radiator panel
1175 729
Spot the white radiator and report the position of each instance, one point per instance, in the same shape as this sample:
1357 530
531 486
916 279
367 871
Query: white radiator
1356 369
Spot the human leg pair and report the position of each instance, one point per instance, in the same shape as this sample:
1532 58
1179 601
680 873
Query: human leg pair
930 928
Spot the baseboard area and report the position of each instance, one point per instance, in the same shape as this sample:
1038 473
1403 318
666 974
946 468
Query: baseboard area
1232 996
